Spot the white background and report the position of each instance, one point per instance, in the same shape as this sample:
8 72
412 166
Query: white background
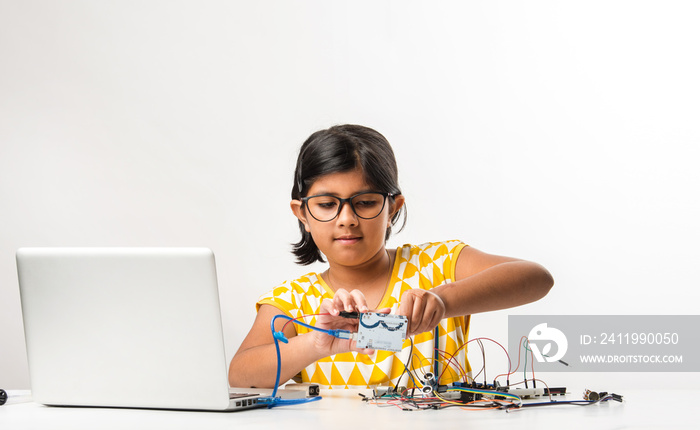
560 132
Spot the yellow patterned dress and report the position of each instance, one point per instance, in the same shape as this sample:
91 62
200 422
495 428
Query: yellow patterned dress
423 266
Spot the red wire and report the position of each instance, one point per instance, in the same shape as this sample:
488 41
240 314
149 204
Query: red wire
459 367
532 358
518 366
503 348
487 338
303 316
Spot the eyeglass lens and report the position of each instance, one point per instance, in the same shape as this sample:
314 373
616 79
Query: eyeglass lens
365 205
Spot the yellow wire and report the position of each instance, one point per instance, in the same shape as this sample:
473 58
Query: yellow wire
464 404
447 401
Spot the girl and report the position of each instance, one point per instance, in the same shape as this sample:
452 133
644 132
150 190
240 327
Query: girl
346 198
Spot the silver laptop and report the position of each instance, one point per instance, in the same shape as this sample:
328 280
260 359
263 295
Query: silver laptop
125 327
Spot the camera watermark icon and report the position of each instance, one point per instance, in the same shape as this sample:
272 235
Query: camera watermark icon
541 333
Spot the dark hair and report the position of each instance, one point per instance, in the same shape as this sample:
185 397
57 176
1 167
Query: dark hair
343 148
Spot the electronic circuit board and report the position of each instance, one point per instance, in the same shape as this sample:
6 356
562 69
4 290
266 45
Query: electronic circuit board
382 331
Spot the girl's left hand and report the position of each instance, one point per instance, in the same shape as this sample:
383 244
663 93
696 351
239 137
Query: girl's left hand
424 310
347 301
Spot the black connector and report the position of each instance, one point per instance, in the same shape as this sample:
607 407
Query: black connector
467 397
480 386
616 397
352 315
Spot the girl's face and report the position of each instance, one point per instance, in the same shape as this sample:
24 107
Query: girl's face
347 239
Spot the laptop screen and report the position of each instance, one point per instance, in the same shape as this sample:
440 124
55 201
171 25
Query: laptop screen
123 327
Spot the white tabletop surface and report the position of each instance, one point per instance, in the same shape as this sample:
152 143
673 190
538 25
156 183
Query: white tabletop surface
341 409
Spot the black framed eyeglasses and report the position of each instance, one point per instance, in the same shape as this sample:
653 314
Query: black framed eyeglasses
325 207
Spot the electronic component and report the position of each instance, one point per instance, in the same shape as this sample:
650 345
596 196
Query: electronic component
283 393
451 395
382 331
382 391
479 386
351 315
526 393
430 384
594 396
310 390
472 391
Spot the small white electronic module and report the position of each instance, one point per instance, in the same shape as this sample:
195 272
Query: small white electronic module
382 331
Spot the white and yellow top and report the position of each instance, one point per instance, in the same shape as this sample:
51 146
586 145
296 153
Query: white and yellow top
423 266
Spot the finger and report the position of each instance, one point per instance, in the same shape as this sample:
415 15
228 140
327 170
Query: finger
404 309
329 305
343 300
430 321
435 310
360 302
406 305
366 351
417 325
431 318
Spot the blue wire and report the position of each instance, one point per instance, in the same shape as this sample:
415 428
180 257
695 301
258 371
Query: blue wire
279 335
295 401
436 344
272 326
279 367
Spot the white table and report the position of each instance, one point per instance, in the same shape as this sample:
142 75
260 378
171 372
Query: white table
340 409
